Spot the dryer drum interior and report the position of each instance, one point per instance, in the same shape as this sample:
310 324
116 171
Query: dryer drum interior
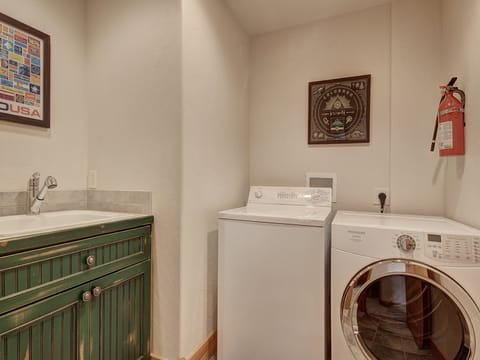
400 309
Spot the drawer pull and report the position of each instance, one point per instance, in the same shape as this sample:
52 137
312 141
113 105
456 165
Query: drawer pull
97 291
90 260
86 296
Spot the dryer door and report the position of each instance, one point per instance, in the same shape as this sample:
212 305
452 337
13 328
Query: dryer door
399 309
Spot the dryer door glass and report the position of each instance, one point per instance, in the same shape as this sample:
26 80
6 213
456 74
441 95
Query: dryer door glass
414 315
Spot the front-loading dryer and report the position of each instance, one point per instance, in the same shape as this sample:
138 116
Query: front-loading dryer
404 287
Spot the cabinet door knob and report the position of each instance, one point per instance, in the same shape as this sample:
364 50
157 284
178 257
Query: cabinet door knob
86 296
90 260
97 291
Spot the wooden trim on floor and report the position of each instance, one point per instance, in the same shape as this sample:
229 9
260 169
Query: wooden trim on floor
156 357
206 350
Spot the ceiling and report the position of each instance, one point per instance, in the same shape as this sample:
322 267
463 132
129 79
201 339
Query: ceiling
260 16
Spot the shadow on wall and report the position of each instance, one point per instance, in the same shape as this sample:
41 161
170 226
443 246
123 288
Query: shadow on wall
460 167
438 170
212 279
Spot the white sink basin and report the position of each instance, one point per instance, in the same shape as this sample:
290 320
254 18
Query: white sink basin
12 226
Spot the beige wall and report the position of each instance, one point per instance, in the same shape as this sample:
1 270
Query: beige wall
417 178
134 100
283 63
135 139
383 41
461 55
62 150
214 153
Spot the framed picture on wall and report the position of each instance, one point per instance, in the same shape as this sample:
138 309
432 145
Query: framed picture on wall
24 73
339 110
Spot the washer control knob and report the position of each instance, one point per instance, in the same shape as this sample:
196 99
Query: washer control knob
406 243
258 194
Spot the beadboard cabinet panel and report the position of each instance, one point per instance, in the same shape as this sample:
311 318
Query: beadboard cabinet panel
121 316
48 329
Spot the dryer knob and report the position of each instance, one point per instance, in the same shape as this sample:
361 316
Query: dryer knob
406 243
258 194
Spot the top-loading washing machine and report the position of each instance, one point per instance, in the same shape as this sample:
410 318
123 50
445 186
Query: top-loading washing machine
404 287
273 275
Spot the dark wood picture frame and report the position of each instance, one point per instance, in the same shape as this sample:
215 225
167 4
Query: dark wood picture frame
339 110
26 113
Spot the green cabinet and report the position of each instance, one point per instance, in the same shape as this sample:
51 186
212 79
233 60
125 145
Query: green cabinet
58 303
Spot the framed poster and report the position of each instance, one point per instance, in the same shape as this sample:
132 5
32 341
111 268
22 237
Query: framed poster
339 111
24 73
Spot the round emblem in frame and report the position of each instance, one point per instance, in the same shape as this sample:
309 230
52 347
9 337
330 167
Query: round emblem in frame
339 110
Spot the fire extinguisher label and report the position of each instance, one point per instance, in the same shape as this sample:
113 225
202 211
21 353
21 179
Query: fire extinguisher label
446 135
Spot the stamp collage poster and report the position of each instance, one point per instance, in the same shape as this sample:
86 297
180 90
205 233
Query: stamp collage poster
21 73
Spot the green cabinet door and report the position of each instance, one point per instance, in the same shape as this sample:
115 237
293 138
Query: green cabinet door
120 315
49 329
105 319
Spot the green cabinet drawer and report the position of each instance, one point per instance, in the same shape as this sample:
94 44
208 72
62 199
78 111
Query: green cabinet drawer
29 276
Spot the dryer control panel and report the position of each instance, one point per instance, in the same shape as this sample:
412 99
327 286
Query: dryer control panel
453 248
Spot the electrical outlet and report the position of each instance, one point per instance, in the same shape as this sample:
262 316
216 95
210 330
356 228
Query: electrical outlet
92 179
376 191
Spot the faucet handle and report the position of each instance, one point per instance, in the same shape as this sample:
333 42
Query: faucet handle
33 183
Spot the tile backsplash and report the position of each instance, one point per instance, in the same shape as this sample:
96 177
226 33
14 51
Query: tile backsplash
12 203
65 200
139 202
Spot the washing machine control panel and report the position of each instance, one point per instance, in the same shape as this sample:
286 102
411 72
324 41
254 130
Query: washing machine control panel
453 248
290 196
406 243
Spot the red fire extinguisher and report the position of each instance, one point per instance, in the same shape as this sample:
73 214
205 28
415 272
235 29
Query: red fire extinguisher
451 122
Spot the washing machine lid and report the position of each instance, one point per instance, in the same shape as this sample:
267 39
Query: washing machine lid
418 223
283 214
284 205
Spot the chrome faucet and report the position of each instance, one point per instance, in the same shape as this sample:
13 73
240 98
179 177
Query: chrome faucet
36 196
